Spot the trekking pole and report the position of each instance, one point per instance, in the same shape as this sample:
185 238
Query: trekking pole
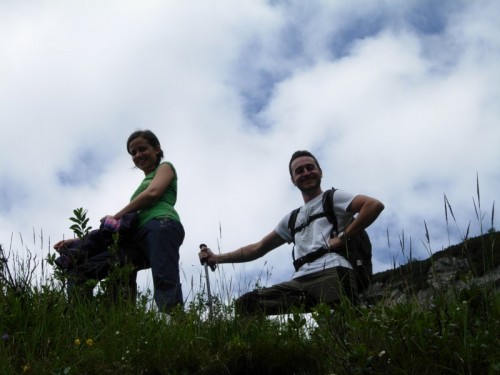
203 247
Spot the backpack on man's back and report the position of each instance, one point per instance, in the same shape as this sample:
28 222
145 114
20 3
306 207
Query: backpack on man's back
358 248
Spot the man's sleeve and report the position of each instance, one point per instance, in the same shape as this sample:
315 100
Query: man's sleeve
282 229
341 202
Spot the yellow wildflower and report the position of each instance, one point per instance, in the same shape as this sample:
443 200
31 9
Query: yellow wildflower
77 342
89 342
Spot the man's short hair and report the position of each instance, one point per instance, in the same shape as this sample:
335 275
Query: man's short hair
298 154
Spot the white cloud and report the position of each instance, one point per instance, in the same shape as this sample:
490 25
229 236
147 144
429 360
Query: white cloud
397 100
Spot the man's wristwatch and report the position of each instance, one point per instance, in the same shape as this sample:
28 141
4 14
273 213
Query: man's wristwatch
341 236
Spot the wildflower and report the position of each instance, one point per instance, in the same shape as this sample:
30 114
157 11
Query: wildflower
89 342
117 333
5 337
25 368
77 342
381 354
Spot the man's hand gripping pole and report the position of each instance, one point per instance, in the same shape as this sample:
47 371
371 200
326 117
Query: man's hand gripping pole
203 247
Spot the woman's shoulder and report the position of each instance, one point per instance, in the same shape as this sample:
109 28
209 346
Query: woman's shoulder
167 164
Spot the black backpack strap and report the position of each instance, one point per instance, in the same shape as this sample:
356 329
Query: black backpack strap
327 203
291 228
310 257
329 211
291 222
293 218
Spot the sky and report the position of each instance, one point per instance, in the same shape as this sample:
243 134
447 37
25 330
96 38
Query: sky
398 100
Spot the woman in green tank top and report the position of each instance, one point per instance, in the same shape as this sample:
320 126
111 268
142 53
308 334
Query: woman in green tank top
160 231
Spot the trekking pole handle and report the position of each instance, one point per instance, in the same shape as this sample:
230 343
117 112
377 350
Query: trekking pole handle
204 247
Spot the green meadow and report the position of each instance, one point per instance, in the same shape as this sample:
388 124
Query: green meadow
44 332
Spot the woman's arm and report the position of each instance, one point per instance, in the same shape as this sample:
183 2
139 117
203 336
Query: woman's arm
160 182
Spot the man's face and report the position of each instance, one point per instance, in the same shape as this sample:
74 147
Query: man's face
305 174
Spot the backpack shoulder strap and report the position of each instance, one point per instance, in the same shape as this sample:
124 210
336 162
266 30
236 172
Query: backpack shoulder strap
327 202
328 209
291 222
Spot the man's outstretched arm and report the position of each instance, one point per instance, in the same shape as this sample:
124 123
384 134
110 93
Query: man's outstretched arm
244 254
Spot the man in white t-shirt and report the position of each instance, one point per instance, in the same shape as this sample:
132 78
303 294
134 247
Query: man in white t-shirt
326 279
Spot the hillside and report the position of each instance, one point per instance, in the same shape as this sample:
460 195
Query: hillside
476 259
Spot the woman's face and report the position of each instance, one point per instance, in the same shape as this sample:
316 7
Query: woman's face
143 154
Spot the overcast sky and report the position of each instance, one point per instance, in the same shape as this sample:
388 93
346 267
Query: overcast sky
399 100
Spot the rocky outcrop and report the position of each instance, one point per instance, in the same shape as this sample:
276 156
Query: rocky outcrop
475 261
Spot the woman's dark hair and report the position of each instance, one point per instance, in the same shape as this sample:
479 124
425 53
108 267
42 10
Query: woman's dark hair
298 154
149 136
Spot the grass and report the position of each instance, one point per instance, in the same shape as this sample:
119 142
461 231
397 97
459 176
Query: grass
44 333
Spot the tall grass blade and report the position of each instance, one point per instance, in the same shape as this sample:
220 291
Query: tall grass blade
478 194
427 244
411 250
402 242
447 202
492 217
446 219
427 233
467 232
475 209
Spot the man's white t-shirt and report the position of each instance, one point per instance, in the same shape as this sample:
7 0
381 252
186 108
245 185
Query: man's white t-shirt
315 235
